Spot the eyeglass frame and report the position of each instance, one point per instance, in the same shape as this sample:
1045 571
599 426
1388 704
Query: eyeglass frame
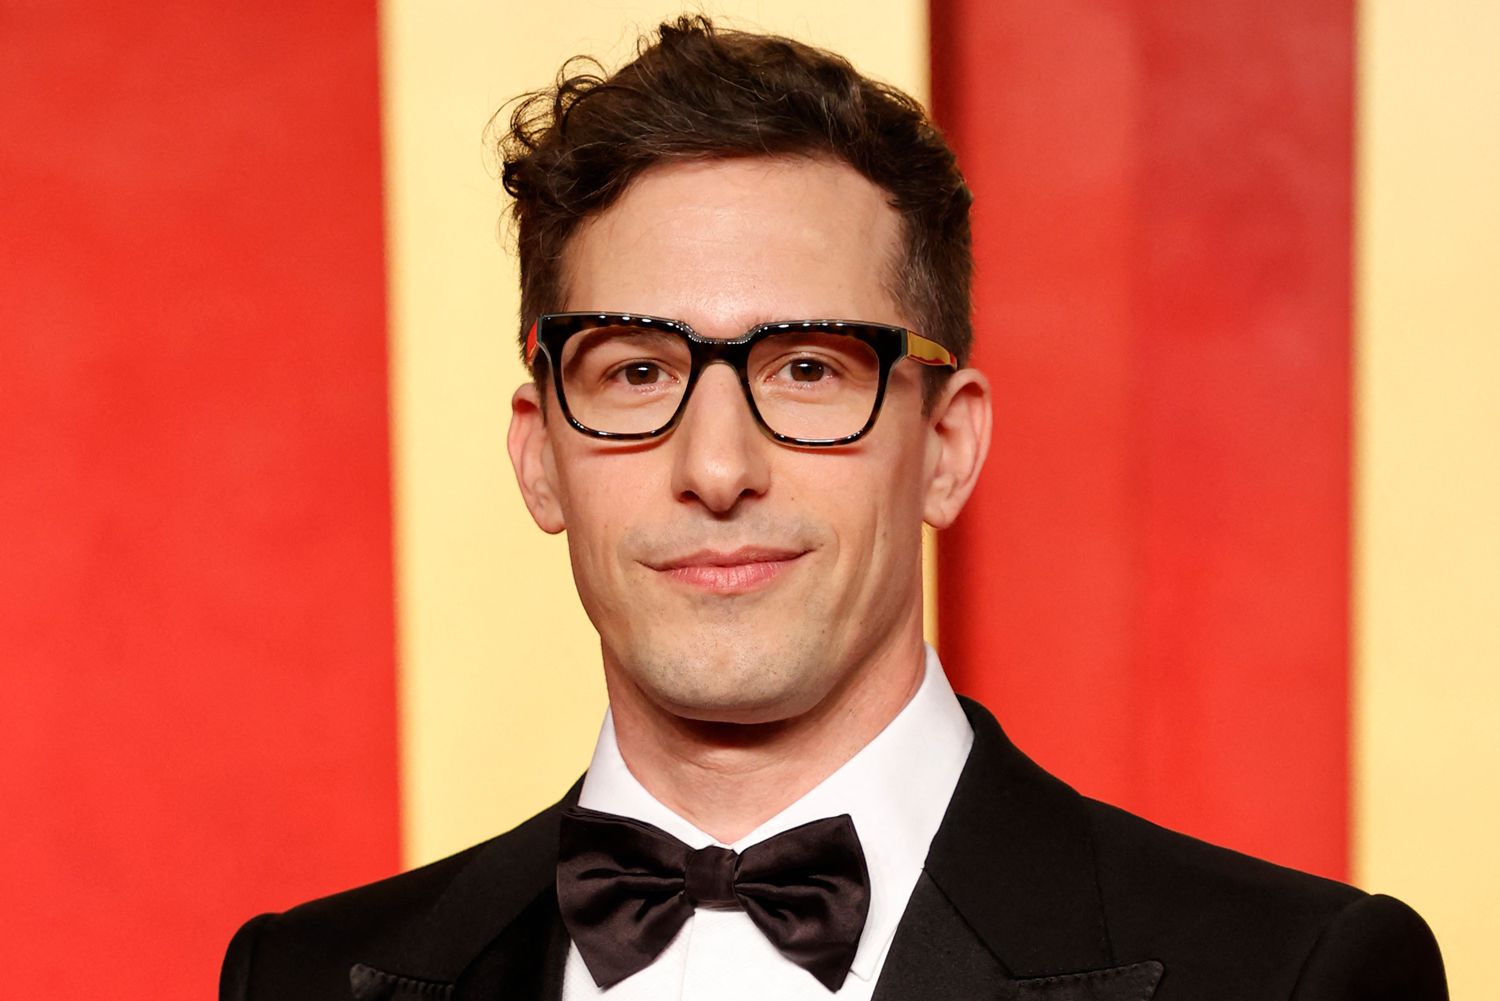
891 344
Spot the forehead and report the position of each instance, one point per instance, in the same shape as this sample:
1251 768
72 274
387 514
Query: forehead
725 244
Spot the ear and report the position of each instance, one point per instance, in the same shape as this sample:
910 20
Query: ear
530 450
958 441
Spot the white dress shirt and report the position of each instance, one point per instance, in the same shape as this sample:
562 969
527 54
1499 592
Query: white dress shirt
896 789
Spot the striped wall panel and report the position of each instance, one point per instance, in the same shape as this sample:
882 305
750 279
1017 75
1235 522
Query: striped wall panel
268 593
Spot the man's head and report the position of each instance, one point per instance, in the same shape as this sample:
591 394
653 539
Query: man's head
734 578
698 93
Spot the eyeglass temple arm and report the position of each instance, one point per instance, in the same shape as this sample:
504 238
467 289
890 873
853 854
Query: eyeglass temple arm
927 351
531 342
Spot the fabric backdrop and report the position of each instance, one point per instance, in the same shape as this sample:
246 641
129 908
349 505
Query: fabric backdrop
274 622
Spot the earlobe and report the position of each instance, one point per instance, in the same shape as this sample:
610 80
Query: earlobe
530 456
957 446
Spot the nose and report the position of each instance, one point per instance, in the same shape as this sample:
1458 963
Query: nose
720 454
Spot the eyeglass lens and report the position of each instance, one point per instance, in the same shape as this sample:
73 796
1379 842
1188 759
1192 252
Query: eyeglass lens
809 384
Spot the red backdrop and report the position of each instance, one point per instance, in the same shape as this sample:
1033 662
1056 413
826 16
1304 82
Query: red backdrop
196 666
1150 587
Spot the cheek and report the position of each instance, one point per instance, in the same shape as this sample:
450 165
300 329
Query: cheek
606 496
903 496
874 507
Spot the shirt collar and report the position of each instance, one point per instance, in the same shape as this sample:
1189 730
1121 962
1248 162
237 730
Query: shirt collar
896 788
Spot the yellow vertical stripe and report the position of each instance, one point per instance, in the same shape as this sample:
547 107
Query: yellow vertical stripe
1427 640
499 682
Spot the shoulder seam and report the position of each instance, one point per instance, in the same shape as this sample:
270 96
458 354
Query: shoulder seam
1317 942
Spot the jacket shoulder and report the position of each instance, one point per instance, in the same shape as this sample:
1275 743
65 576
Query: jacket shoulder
1150 868
1294 934
1376 949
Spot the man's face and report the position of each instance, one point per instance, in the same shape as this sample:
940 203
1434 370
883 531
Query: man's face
732 578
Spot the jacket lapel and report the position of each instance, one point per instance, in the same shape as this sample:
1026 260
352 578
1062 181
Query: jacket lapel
1015 856
935 955
524 961
1010 874
495 933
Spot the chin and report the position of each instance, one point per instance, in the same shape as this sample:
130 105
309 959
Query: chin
734 686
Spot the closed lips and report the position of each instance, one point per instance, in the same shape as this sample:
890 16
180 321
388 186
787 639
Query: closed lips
738 557
729 573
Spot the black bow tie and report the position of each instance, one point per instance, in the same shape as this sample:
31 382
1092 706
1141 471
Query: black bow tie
625 889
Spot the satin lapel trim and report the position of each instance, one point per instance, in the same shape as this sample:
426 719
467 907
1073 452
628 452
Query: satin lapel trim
1015 857
1136 982
370 984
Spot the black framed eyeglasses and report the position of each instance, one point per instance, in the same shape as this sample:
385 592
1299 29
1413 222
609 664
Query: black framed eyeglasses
628 377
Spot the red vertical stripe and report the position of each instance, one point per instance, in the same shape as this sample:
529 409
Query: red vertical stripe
1150 586
196 638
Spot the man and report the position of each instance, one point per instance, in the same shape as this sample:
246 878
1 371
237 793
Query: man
745 278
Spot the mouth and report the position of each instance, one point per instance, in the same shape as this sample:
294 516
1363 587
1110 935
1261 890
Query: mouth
737 571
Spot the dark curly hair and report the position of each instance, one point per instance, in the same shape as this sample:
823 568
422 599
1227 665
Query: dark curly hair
695 91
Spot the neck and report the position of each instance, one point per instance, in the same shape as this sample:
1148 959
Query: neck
729 778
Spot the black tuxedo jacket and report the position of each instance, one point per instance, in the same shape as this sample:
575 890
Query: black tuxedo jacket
1031 893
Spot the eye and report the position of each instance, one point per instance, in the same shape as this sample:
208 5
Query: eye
807 370
812 365
642 373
